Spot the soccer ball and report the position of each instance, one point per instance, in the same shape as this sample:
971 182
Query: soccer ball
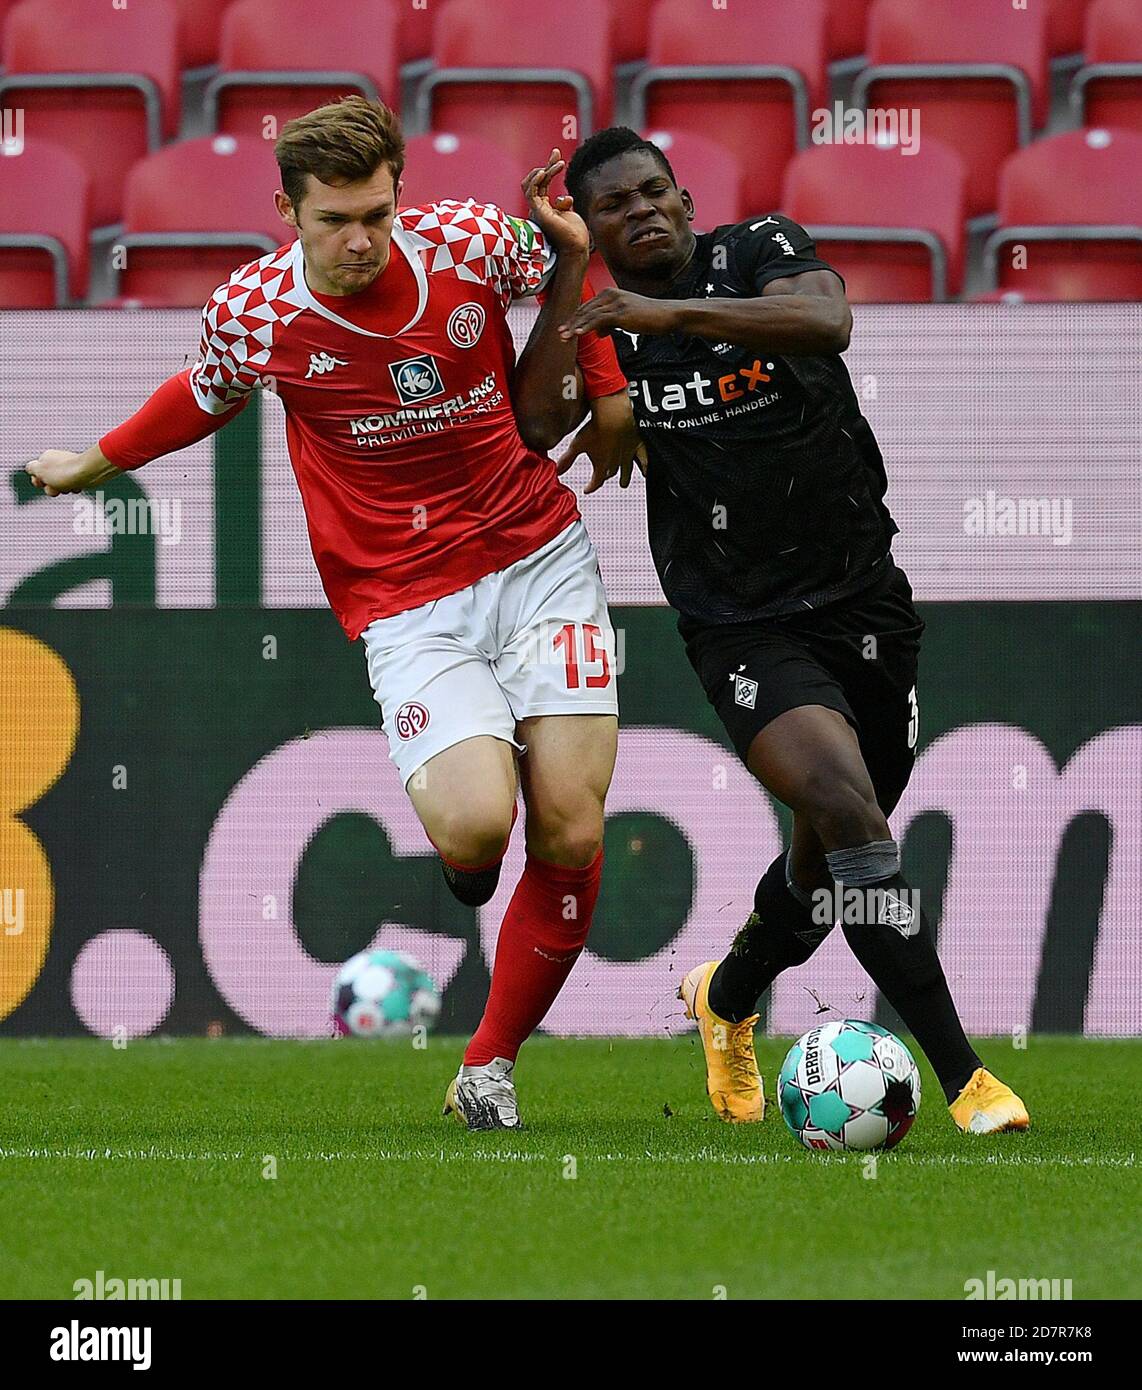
849 1085
383 994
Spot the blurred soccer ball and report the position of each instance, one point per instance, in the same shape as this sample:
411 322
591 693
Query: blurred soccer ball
383 994
849 1085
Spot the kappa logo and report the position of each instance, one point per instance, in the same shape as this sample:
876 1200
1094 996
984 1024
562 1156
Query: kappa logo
417 379
466 324
411 719
745 692
321 362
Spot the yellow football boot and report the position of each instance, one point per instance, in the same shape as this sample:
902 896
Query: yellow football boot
732 1079
987 1106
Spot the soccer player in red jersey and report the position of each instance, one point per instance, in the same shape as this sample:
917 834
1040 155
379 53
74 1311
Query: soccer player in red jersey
442 540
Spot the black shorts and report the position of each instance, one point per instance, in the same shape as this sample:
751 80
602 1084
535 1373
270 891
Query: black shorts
857 656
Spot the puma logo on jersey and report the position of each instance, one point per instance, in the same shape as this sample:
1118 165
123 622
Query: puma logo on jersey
321 362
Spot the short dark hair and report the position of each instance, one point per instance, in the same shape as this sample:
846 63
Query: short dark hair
339 143
600 149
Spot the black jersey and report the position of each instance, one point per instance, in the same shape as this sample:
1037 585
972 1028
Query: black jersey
765 484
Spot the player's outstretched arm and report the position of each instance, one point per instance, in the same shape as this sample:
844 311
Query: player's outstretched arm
58 470
170 419
803 315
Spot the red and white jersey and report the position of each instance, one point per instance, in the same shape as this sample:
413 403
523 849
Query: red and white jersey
399 419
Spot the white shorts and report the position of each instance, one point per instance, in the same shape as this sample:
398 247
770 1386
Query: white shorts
535 638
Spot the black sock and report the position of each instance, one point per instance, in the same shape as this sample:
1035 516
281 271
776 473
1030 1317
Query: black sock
472 887
780 932
907 971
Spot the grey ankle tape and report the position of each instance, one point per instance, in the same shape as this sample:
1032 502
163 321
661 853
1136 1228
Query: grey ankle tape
863 865
805 899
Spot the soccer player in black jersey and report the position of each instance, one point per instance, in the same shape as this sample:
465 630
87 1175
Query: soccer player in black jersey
765 502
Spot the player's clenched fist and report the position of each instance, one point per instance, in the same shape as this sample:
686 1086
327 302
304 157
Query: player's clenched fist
613 308
58 470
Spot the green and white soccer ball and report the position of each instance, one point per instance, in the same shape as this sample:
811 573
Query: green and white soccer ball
383 994
849 1085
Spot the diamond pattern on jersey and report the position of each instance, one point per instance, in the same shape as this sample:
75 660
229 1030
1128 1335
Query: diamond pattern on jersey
479 243
239 326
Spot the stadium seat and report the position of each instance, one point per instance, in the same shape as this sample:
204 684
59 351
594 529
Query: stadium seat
45 197
1108 91
891 223
444 166
100 81
847 27
515 81
200 24
975 71
1065 19
747 77
709 171
630 29
281 58
416 30
193 212
1074 202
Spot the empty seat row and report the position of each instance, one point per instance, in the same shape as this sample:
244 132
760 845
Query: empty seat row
974 72
892 222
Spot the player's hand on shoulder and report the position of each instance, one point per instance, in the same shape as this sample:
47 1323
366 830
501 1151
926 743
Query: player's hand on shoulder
610 440
615 308
555 217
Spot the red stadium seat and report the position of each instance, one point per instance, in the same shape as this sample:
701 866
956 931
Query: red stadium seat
200 23
1074 203
444 166
747 76
1065 20
1108 91
102 82
195 211
976 72
45 196
416 30
514 81
282 58
630 29
709 171
891 223
848 27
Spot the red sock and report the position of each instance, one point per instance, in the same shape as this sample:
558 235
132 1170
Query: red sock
543 933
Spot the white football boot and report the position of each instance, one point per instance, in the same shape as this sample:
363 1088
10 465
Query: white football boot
484 1097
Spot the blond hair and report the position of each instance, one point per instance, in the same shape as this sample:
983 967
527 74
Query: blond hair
339 143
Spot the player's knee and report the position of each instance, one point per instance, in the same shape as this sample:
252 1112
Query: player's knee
841 810
573 842
472 836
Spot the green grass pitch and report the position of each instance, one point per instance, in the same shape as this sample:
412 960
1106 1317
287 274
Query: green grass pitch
149 1162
